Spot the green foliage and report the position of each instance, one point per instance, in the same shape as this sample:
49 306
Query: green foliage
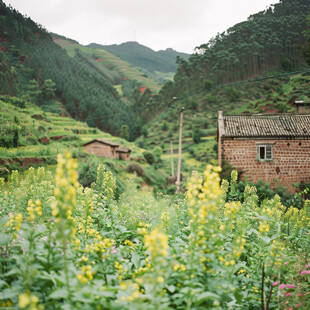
233 94
208 84
88 172
196 135
157 152
164 126
152 177
42 70
149 157
124 134
144 131
48 90
66 246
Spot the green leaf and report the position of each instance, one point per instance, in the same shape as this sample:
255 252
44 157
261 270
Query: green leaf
4 220
252 231
205 296
265 218
265 239
238 295
4 239
8 293
3 283
171 288
59 293
135 258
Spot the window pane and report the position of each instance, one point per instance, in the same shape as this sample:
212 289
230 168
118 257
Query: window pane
262 152
268 152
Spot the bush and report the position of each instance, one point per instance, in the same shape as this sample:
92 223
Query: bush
135 168
196 135
154 178
88 172
32 140
149 157
157 152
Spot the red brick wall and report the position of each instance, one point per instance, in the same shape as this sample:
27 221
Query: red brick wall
290 164
101 149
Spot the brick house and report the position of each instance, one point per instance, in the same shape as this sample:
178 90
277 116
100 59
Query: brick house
105 148
271 147
123 154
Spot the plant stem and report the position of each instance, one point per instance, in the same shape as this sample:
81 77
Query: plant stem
263 281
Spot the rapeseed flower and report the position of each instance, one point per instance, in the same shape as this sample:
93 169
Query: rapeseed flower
156 244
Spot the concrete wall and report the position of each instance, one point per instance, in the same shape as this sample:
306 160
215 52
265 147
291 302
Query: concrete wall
290 164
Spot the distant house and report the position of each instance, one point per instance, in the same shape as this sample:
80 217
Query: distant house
105 148
124 154
271 147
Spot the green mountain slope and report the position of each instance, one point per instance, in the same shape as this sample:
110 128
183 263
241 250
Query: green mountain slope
119 72
268 43
32 137
35 67
201 112
143 57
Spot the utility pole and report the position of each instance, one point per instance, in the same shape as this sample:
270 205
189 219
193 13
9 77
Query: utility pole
178 182
172 163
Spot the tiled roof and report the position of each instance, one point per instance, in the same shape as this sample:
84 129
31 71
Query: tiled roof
102 141
265 125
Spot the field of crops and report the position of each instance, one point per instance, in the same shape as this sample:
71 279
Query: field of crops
63 246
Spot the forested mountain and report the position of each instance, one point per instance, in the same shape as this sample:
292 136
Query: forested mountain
93 89
268 42
143 57
35 68
122 75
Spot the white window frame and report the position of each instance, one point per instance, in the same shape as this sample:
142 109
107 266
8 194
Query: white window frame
267 152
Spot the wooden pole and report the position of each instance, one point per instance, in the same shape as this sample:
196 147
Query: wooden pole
172 163
178 182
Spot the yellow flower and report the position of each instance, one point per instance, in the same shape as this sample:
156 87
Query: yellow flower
27 299
160 279
23 300
156 243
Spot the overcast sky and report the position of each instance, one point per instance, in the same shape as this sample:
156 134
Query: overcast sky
158 24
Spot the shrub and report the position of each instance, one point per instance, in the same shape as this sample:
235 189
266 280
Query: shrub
135 168
88 172
196 135
149 157
157 152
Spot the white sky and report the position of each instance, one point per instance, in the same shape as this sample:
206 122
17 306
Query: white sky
158 24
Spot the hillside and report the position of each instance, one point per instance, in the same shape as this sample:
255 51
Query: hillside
34 67
32 137
201 111
267 43
153 63
120 73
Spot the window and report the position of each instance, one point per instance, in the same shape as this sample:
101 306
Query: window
264 152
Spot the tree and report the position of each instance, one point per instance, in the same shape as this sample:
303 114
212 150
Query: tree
124 134
16 137
144 131
33 92
306 47
48 89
